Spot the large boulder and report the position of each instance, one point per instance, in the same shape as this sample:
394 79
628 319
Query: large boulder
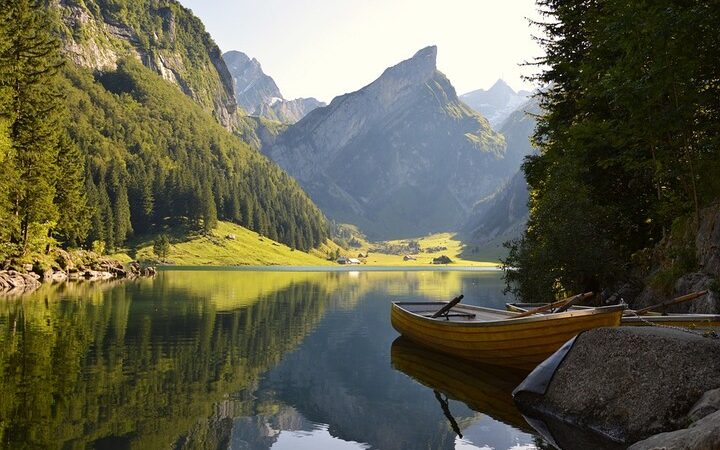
701 435
628 383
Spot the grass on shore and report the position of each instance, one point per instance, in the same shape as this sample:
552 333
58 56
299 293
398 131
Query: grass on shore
249 248
454 249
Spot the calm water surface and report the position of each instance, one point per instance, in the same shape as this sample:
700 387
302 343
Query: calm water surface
246 360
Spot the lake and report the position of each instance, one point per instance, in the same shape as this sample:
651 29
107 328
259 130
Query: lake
206 359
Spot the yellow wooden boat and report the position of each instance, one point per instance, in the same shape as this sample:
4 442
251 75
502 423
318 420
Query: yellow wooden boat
485 389
629 318
494 336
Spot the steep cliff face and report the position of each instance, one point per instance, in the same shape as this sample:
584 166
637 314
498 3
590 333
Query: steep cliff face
258 94
504 214
162 34
400 157
252 86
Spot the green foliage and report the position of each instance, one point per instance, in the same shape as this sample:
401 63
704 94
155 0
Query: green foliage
42 173
161 246
629 138
145 140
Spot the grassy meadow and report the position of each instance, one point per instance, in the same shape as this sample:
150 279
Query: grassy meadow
233 245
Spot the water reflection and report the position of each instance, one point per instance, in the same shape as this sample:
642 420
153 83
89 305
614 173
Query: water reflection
246 360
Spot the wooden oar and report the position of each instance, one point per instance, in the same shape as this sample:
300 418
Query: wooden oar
556 304
675 301
447 307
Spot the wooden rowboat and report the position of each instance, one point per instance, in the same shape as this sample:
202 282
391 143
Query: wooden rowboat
629 318
494 336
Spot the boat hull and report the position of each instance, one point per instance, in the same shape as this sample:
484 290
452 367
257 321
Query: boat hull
520 343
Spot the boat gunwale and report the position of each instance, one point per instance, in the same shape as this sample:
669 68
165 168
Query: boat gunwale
509 320
629 317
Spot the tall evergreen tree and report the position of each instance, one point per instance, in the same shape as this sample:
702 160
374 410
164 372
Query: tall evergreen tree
629 147
122 227
33 57
74 214
209 210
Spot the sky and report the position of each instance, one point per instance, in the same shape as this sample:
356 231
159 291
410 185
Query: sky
325 48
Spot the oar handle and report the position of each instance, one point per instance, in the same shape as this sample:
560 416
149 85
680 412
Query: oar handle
675 301
553 305
447 307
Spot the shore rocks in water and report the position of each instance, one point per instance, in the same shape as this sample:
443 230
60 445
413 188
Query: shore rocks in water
629 383
65 266
14 280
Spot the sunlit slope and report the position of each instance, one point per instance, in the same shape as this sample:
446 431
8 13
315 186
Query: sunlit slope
230 245
454 248
248 248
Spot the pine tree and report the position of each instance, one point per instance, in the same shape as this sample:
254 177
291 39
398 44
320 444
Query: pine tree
122 227
209 212
107 221
35 104
8 221
70 197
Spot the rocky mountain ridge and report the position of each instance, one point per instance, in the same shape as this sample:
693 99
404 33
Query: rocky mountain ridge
497 103
258 93
402 156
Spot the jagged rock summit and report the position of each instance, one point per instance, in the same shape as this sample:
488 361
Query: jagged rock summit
497 103
252 86
258 93
400 157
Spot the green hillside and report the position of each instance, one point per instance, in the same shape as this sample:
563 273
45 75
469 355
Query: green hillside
111 125
153 149
227 245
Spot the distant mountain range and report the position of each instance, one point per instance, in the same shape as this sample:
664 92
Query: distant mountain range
497 103
400 157
258 94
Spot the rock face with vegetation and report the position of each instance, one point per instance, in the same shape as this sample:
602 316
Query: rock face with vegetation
400 157
161 34
259 95
630 383
687 260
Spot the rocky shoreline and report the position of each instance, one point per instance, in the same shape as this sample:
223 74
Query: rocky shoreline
61 266
639 386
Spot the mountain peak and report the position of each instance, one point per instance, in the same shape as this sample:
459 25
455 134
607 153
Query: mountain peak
428 53
501 86
416 70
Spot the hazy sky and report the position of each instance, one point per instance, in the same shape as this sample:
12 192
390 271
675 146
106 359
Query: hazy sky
324 48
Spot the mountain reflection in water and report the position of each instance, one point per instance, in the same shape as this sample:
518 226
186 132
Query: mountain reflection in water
224 359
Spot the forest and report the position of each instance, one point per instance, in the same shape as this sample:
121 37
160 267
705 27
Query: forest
629 144
90 158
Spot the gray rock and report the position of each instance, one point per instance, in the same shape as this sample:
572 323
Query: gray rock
629 383
701 435
707 240
708 404
59 276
